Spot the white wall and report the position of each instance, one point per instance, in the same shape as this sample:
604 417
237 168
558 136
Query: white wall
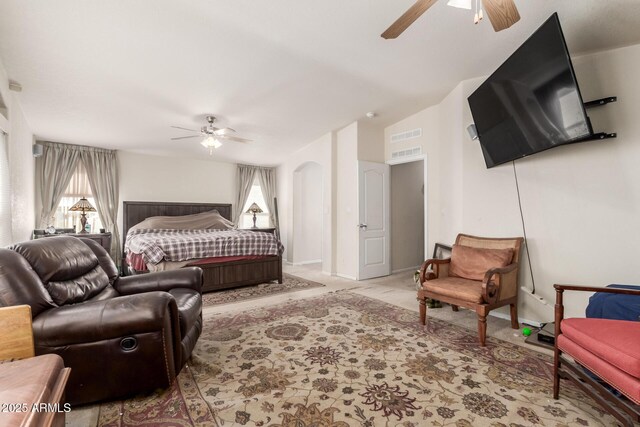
370 141
322 152
21 164
581 202
307 213
347 201
169 179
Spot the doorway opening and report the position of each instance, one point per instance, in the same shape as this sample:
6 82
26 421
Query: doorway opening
307 214
407 215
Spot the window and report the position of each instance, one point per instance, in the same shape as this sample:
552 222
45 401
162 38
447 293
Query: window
78 187
5 193
255 196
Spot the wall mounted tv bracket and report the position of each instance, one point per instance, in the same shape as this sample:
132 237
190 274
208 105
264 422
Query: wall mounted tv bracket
599 103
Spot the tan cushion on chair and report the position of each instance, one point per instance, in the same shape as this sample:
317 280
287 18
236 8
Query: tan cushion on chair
455 287
472 263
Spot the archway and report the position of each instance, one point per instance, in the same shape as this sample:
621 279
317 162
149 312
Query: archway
307 214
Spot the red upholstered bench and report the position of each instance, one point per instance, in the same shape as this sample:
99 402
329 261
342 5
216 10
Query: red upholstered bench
608 348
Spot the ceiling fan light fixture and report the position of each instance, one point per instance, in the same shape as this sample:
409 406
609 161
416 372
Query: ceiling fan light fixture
211 142
460 4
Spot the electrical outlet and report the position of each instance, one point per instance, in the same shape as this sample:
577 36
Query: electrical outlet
535 297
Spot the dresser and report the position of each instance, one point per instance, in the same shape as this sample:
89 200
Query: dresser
104 239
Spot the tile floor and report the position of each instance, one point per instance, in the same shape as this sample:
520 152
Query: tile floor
397 289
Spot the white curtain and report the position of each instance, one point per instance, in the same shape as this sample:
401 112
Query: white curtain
54 170
245 175
267 179
53 173
5 194
102 171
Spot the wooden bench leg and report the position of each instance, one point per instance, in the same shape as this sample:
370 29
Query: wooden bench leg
454 307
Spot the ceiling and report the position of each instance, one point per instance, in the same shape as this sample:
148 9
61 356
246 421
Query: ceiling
119 73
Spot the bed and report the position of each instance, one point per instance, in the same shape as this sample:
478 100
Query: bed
217 274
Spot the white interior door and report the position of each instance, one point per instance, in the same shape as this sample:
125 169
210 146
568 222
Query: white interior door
373 207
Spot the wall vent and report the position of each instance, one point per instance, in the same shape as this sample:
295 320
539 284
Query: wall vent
407 135
409 152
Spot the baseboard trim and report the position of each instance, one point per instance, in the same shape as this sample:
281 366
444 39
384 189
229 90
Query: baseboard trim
405 269
313 261
346 276
521 320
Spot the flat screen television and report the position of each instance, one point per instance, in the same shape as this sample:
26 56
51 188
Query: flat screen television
532 102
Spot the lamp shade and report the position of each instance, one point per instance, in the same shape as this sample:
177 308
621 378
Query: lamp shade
254 209
82 205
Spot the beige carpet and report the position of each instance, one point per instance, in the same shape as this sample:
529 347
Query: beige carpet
341 360
289 283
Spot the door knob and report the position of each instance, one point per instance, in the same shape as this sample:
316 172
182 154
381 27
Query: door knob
362 225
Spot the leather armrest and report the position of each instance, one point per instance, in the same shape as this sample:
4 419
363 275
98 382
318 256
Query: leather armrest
190 278
424 275
102 320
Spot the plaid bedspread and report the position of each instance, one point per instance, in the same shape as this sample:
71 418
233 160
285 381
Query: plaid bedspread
183 245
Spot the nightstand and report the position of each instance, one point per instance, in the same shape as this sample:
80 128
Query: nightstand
271 230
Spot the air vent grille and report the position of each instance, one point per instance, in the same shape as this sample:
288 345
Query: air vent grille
407 135
409 152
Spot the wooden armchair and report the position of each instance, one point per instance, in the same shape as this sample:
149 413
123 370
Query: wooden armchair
608 348
482 274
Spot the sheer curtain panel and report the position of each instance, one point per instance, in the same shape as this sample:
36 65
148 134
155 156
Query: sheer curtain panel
53 173
244 180
267 178
102 170
5 193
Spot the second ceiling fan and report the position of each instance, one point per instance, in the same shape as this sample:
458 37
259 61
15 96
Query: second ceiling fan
502 14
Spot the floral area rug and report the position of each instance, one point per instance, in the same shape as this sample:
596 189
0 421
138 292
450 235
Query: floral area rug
341 360
289 284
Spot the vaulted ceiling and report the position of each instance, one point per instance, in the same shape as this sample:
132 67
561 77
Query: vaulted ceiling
119 73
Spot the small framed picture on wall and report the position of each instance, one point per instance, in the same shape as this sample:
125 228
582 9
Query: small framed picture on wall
441 251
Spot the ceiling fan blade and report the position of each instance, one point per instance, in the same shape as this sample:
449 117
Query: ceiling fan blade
186 137
502 13
234 138
224 131
178 127
407 18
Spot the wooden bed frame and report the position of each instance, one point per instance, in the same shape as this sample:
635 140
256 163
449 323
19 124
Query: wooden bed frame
217 276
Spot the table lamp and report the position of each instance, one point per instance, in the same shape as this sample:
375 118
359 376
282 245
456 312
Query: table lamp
254 209
83 206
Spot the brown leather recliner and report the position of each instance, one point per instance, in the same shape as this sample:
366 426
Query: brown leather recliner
119 335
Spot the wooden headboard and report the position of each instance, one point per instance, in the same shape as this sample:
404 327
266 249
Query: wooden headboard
135 212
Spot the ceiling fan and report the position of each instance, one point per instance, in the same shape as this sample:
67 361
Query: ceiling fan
502 14
212 136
